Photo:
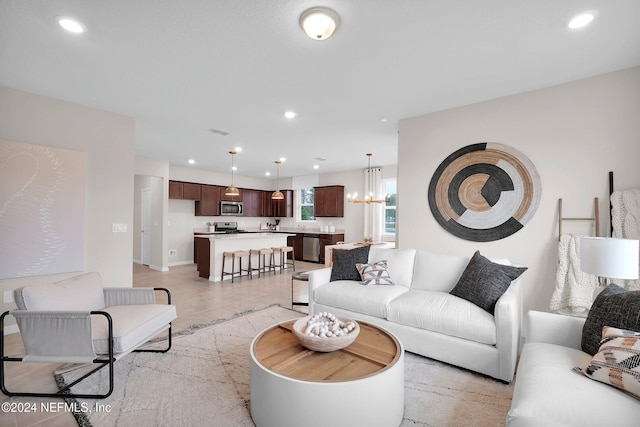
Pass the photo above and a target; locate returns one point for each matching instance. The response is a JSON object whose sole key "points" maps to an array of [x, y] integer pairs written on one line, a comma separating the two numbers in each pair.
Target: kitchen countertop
{"points": [[288, 230]]}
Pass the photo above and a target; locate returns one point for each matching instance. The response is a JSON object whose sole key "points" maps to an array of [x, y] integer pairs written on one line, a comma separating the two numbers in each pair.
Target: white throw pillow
{"points": [[399, 263]]}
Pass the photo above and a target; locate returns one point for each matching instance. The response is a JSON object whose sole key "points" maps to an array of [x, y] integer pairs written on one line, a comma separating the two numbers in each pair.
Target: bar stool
{"points": [[263, 267], [233, 255], [284, 260]]}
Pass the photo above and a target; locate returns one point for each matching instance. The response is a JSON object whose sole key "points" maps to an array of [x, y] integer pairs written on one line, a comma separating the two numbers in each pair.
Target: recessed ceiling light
{"points": [[290, 114], [267, 173], [316, 167], [71, 25], [234, 168], [582, 19], [282, 159], [238, 149], [191, 161], [384, 119]]}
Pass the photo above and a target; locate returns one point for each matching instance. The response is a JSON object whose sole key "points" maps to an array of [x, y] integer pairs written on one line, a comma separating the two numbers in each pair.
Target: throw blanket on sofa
{"points": [[625, 219], [574, 292]]}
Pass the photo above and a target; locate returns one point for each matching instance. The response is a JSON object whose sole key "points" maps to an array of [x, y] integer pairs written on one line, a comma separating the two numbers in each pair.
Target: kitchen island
{"points": [[211, 247]]}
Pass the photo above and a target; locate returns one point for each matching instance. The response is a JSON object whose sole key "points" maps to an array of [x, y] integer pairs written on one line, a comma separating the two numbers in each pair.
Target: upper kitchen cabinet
{"points": [[209, 203], [328, 201], [267, 204], [252, 202], [283, 208], [184, 190]]}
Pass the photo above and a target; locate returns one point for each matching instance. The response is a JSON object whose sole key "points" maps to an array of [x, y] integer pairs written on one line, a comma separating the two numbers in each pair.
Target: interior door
{"points": [[146, 226]]}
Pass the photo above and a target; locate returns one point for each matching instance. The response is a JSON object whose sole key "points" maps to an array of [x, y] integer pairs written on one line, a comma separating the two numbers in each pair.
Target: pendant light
{"points": [[277, 195], [369, 197], [232, 190]]}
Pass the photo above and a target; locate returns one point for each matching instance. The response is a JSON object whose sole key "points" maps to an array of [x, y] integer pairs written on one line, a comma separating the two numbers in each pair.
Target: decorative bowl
{"points": [[325, 344]]}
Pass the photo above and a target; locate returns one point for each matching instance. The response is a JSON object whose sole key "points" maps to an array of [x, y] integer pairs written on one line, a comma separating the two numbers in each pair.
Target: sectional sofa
{"points": [[421, 311]]}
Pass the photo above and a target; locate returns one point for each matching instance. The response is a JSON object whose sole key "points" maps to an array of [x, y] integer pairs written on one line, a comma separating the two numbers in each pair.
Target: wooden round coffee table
{"points": [[362, 384]]}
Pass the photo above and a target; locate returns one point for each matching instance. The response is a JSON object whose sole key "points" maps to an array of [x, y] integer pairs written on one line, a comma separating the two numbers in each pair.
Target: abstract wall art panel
{"points": [[484, 192], [42, 197]]}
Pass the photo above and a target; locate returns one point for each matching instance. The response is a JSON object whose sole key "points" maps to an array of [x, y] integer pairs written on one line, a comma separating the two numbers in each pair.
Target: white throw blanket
{"points": [[625, 218], [575, 290]]}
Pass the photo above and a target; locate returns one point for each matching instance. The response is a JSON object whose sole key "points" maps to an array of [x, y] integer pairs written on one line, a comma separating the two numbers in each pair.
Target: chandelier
{"points": [[369, 198]]}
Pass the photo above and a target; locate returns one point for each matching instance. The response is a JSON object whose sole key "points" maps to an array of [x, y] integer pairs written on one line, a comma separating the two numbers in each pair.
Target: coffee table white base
{"points": [[279, 401]]}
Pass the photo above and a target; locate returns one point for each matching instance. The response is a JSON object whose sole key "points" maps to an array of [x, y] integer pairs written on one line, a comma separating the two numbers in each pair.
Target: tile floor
{"points": [[197, 301]]}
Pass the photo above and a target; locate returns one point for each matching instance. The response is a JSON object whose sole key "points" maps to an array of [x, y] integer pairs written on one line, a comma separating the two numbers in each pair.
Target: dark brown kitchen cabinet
{"points": [[267, 203], [184, 190], [296, 243], [284, 208], [209, 203], [328, 240], [251, 202], [328, 201]]}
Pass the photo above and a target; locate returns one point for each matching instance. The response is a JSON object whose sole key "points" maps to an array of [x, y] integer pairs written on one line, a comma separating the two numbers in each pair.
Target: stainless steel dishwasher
{"points": [[311, 248]]}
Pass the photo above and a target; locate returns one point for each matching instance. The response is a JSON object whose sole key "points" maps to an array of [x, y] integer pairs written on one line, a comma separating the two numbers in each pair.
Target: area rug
{"points": [[204, 380]]}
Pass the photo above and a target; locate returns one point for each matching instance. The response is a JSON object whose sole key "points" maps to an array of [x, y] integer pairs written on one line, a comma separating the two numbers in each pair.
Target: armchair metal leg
{"points": [[142, 350]]}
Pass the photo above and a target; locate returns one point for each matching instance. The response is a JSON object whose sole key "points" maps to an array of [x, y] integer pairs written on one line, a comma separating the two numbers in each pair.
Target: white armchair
{"points": [[79, 321]]}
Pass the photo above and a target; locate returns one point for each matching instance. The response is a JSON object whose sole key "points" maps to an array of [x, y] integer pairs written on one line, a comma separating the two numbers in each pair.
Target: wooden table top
{"points": [[278, 350]]}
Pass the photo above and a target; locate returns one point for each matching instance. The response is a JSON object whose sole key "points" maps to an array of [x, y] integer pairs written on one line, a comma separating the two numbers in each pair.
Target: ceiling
{"points": [[182, 69]]}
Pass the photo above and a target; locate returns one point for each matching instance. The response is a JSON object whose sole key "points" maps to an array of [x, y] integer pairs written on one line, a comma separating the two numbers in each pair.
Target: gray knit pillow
{"points": [[615, 307], [344, 263], [483, 282]]}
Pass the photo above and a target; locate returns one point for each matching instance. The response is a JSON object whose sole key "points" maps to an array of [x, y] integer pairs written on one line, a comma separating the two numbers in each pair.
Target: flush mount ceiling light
{"points": [[71, 25], [319, 22], [232, 190], [582, 19]]}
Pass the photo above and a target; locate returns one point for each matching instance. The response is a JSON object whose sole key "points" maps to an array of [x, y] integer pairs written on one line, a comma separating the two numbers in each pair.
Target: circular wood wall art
{"points": [[484, 192]]}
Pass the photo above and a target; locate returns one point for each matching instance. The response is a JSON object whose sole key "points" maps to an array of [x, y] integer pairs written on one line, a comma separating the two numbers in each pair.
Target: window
{"points": [[390, 207], [306, 204]]}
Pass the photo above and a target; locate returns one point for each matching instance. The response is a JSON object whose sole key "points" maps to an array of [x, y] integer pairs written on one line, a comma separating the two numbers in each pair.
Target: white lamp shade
{"points": [[609, 257]]}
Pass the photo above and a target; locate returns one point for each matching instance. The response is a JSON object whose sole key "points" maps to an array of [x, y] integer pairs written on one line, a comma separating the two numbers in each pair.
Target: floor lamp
{"points": [[609, 257]]}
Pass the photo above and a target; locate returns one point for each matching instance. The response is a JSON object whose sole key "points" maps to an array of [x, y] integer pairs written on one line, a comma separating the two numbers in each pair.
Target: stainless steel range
{"points": [[228, 227]]}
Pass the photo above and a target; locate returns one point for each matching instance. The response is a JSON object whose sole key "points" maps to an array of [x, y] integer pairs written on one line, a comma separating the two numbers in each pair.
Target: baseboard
{"points": [[137, 261], [11, 329], [173, 264], [155, 267]]}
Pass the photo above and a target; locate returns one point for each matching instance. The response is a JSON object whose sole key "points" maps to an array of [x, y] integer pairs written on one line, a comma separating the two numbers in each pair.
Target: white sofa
{"points": [[548, 393], [419, 310]]}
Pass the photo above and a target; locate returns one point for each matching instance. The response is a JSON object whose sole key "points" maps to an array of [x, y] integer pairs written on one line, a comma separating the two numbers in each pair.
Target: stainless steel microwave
{"points": [[231, 208]]}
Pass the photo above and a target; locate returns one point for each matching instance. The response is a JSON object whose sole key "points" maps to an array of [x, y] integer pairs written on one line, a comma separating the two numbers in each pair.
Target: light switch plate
{"points": [[119, 228]]}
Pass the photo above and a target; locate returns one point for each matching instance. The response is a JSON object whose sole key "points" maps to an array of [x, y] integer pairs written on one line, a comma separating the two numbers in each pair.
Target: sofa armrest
{"points": [[131, 296], [317, 278], [508, 318], [554, 328]]}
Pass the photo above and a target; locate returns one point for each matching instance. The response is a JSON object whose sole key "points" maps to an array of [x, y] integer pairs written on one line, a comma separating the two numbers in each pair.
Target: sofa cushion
{"points": [[444, 313], [615, 307], [437, 272], [344, 263], [548, 393], [399, 263], [79, 293], [351, 295], [617, 363], [374, 274], [483, 282], [132, 325]]}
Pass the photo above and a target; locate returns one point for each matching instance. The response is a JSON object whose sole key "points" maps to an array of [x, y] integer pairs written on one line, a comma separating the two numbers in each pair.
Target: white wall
{"points": [[108, 141], [573, 133]]}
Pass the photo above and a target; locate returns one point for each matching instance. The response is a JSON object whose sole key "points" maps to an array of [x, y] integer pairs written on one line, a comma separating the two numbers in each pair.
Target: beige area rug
{"points": [[204, 381]]}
